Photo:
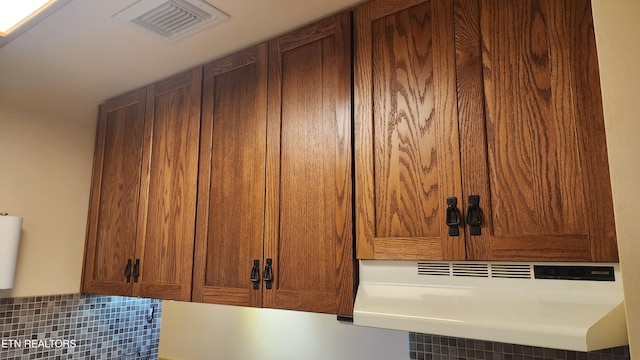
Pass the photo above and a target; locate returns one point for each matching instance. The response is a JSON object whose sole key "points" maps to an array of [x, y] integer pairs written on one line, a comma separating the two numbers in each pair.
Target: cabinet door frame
{"points": [[247, 295], [369, 246], [575, 95], [340, 301], [89, 284], [179, 249]]}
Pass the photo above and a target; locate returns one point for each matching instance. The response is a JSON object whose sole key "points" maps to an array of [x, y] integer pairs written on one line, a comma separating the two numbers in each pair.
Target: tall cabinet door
{"points": [[113, 209], [542, 175], [308, 240], [230, 223], [169, 187], [406, 131]]}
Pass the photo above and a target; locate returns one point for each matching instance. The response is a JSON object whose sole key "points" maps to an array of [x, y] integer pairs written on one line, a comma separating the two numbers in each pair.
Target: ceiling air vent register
{"points": [[171, 19]]}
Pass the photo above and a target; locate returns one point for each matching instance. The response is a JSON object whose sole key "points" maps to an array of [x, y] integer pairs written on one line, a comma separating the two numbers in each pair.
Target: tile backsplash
{"points": [[432, 347], [79, 326]]}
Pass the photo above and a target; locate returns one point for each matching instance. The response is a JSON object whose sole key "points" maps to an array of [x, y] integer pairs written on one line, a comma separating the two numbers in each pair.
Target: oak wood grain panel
{"points": [[230, 219], [381, 8], [227, 295], [113, 209], [363, 134], [543, 166], [532, 149], [162, 291], [315, 32], [583, 65], [168, 197], [308, 220], [406, 155], [408, 248], [407, 152], [237, 188], [541, 248], [346, 264], [446, 117], [475, 174], [318, 302]]}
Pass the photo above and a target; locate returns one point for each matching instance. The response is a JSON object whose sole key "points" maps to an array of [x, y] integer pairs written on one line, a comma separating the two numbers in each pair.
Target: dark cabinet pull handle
{"points": [[136, 270], [267, 276], [453, 216], [474, 216], [127, 271], [255, 274]]}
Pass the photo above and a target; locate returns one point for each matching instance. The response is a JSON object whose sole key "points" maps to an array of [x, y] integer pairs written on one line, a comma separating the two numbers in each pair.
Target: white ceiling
{"points": [[83, 54]]}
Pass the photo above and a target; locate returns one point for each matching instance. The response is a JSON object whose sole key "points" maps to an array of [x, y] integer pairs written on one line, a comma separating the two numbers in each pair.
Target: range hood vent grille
{"points": [[512, 271], [476, 269], [471, 269], [434, 268], [171, 19]]}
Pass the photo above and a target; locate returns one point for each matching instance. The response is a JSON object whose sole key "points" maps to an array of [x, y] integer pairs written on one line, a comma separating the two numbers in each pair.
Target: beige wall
{"points": [[193, 331], [46, 150], [618, 38]]}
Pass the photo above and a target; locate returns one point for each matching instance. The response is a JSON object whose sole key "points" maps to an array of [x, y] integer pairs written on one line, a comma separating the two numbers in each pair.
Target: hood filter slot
{"points": [[434, 268], [470, 269], [511, 271], [475, 269]]}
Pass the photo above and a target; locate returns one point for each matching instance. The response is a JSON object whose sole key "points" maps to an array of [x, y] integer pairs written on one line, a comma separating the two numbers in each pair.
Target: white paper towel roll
{"points": [[10, 227]]}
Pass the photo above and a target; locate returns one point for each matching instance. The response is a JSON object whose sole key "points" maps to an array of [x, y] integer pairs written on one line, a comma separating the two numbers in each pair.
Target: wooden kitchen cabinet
{"points": [[520, 127], [406, 146], [543, 170], [275, 185], [230, 219], [309, 183], [115, 191], [140, 233]]}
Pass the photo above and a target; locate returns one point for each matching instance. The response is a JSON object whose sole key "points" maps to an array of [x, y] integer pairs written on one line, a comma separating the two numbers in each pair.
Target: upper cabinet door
{"points": [[542, 172], [169, 187], [230, 224], [406, 130], [113, 211], [308, 237]]}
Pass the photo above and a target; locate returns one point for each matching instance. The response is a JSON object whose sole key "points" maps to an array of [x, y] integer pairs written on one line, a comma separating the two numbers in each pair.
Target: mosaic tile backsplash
{"points": [[79, 326], [431, 347]]}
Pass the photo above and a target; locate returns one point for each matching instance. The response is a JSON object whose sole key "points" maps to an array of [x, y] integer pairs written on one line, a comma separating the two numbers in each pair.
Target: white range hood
{"points": [[501, 302]]}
